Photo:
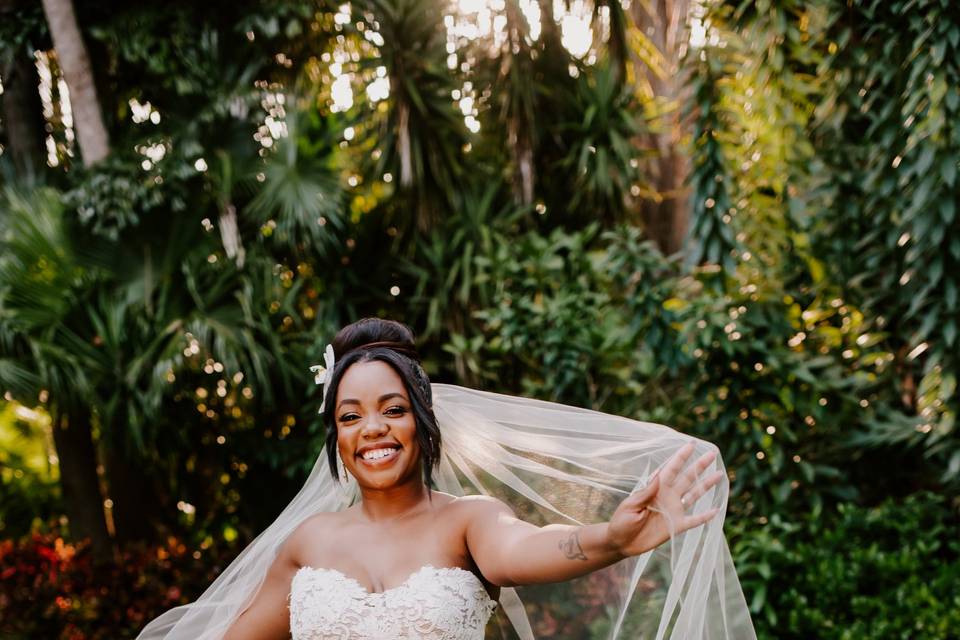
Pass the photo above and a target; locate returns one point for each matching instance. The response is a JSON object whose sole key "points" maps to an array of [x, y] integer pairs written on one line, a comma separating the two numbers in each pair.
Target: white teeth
{"points": [[376, 454]]}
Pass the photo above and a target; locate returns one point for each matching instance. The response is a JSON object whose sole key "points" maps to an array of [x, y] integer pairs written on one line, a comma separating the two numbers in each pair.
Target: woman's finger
{"points": [[640, 499], [676, 463], [695, 521], [696, 492], [690, 475]]}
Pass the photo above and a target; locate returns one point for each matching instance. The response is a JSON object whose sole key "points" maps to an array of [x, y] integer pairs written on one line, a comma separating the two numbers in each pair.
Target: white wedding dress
{"points": [[431, 604]]}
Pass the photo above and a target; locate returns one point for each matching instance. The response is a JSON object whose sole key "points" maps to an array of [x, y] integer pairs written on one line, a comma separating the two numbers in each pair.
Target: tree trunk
{"points": [[666, 220], [518, 109], [75, 62], [664, 22], [134, 502], [22, 116], [78, 480]]}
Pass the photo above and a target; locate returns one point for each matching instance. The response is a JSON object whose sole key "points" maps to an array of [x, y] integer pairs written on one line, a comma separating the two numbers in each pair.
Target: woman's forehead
{"points": [[370, 378]]}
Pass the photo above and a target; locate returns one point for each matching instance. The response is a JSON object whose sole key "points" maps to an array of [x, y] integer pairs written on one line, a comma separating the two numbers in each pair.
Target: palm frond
{"points": [[301, 187]]}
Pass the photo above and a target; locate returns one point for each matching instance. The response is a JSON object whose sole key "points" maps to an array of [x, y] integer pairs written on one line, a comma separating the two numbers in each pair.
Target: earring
{"points": [[341, 469], [347, 486]]}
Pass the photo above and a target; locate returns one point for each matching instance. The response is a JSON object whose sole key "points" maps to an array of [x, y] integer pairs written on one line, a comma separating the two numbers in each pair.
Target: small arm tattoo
{"points": [[571, 547]]}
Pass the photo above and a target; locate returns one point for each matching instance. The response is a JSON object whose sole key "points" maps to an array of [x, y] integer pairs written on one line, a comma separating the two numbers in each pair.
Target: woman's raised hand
{"points": [[647, 518]]}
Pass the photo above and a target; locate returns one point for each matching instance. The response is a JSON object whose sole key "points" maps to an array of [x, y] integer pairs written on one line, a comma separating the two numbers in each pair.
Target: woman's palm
{"points": [[649, 517]]}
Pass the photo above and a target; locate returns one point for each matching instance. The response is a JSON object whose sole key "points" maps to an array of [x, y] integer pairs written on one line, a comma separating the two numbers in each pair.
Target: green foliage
{"points": [[884, 572], [850, 196], [712, 208], [548, 313], [450, 267], [603, 320], [419, 136], [42, 284], [172, 289], [301, 189], [573, 316], [28, 489], [23, 26], [891, 146], [765, 379], [601, 153], [116, 193]]}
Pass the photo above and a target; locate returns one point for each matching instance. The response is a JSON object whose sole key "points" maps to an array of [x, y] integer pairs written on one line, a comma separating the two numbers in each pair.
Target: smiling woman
{"points": [[441, 505], [376, 435], [377, 363]]}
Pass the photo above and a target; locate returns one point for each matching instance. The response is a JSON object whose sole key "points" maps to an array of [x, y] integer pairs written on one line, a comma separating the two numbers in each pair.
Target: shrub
{"points": [[890, 571], [51, 589]]}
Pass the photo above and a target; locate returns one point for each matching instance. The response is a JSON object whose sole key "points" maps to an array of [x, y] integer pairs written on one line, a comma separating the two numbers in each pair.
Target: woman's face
{"points": [[376, 429]]}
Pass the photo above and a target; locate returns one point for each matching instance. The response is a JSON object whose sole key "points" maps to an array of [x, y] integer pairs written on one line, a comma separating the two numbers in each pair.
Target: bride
{"points": [[439, 502]]}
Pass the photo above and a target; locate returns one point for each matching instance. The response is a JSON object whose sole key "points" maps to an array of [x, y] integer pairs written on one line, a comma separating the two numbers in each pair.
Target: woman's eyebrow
{"points": [[385, 396]]}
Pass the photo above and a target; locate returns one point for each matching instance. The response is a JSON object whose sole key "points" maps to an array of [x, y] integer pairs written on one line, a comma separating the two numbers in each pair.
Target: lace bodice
{"points": [[431, 604]]}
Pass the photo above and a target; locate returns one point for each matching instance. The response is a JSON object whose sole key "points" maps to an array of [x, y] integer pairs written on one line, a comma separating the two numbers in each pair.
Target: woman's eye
{"points": [[396, 411], [347, 417]]}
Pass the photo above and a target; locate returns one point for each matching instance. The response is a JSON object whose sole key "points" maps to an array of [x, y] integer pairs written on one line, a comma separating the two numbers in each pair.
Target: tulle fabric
{"points": [[552, 464]]}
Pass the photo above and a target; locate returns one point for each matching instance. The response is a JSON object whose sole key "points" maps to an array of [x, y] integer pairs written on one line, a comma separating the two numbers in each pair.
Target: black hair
{"points": [[390, 342]]}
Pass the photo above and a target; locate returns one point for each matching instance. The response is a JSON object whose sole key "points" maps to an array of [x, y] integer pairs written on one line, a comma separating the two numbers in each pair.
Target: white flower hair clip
{"points": [[323, 373]]}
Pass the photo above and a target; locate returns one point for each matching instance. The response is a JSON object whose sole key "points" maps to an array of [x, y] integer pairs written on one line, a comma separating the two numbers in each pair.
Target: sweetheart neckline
{"points": [[368, 593]]}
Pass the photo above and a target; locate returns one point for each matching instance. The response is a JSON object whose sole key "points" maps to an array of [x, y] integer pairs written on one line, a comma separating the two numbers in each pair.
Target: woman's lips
{"points": [[384, 461]]}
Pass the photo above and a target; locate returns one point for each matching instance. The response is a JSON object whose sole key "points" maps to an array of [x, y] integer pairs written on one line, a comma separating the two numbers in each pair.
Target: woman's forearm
{"points": [[558, 552]]}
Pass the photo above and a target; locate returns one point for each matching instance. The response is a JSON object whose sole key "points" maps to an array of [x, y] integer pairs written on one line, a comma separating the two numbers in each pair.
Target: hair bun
{"points": [[375, 332]]}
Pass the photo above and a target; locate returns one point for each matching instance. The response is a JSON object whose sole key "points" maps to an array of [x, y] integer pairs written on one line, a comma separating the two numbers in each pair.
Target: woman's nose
{"points": [[374, 427]]}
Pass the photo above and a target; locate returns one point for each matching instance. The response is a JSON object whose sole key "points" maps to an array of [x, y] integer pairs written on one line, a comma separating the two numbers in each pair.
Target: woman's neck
{"points": [[379, 505]]}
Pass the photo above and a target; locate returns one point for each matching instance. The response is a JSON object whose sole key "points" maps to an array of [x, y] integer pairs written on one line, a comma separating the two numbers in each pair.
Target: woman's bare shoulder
{"points": [[321, 521], [316, 527]]}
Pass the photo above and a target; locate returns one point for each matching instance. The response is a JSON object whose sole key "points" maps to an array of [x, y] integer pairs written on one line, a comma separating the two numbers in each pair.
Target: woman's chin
{"points": [[384, 473]]}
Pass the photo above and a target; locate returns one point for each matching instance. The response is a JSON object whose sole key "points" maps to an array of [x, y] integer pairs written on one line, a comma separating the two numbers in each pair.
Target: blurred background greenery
{"points": [[735, 218]]}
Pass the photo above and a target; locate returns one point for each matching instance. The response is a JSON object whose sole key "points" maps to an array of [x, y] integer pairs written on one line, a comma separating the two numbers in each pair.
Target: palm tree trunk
{"points": [[134, 502], [22, 115], [665, 23], [73, 59], [519, 109], [83, 501]]}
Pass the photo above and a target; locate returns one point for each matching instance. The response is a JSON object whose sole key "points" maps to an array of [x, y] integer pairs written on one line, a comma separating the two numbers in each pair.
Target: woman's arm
{"points": [[509, 551], [267, 617]]}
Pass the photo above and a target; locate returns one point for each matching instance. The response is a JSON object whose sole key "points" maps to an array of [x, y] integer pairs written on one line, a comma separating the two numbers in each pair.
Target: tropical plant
{"points": [[508, 177], [852, 195], [42, 291]]}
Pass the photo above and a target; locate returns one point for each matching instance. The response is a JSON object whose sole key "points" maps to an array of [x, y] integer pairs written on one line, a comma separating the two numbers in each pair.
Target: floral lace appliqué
{"points": [[432, 604]]}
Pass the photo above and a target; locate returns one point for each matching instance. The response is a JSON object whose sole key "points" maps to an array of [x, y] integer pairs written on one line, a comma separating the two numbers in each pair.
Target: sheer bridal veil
{"points": [[552, 464]]}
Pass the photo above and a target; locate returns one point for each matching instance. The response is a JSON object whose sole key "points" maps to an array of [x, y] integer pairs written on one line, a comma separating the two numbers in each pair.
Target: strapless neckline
{"points": [[413, 576], [432, 603]]}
